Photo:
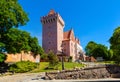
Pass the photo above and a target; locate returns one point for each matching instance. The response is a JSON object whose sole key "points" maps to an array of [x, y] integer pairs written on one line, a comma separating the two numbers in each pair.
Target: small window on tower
{"points": [[53, 19], [43, 22]]}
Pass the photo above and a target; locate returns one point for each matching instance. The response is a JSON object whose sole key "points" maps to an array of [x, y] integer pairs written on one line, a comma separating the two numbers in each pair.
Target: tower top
{"points": [[51, 12], [52, 16]]}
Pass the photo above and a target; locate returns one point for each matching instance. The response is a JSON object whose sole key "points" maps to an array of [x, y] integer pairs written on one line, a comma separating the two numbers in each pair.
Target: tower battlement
{"points": [[52, 17]]}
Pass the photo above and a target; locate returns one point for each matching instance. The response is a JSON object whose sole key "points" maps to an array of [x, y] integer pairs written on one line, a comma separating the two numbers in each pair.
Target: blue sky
{"points": [[92, 20]]}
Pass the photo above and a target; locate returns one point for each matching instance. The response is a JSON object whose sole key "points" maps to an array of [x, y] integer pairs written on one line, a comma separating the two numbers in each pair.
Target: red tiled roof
{"points": [[66, 35], [69, 35]]}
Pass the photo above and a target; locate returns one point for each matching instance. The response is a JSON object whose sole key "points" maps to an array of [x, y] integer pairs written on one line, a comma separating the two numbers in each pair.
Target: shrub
{"points": [[53, 59], [23, 66], [44, 57]]}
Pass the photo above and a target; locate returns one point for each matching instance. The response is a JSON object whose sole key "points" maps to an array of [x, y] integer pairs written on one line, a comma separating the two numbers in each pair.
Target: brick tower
{"points": [[52, 32]]}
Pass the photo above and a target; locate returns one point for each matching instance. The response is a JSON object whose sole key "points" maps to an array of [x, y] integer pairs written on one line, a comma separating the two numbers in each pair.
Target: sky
{"points": [[91, 20]]}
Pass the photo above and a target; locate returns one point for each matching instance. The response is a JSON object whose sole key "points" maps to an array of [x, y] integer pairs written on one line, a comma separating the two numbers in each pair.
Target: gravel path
{"points": [[28, 77]]}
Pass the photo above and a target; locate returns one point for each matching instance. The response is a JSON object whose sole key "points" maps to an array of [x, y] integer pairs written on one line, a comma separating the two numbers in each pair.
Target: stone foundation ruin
{"points": [[107, 71]]}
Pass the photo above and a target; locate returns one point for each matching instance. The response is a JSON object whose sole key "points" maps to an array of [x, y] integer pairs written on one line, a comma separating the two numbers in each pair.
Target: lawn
{"points": [[68, 65]]}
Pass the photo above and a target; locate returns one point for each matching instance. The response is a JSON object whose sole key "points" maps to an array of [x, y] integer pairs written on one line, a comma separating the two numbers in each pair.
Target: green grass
{"points": [[68, 65]]}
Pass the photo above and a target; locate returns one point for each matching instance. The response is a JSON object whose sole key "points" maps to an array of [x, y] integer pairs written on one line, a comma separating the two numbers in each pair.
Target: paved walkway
{"points": [[36, 77], [26, 77]]}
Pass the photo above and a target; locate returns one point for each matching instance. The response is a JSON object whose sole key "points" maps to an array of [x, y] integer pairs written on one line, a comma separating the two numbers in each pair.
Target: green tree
{"points": [[115, 44], [110, 54], [90, 47], [98, 50], [17, 40], [44, 57], [2, 47], [2, 55], [11, 15], [35, 48], [53, 59]]}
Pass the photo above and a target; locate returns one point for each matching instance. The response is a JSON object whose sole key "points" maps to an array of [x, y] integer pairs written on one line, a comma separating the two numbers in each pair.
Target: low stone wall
{"points": [[86, 73]]}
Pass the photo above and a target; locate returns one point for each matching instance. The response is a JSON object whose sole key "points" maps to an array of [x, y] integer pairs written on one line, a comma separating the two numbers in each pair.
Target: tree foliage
{"points": [[35, 48], [44, 57], [17, 40], [2, 55], [90, 47], [98, 50], [53, 59], [2, 47], [11, 15], [115, 44]]}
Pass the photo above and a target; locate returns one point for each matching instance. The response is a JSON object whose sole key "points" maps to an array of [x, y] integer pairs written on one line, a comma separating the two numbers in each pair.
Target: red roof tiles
{"points": [[69, 35]]}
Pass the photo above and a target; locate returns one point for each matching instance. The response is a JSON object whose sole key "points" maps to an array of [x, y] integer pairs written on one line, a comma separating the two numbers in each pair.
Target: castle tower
{"points": [[52, 32]]}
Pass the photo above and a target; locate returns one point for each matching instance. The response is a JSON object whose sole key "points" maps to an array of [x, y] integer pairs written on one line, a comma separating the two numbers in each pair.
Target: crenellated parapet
{"points": [[52, 17]]}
